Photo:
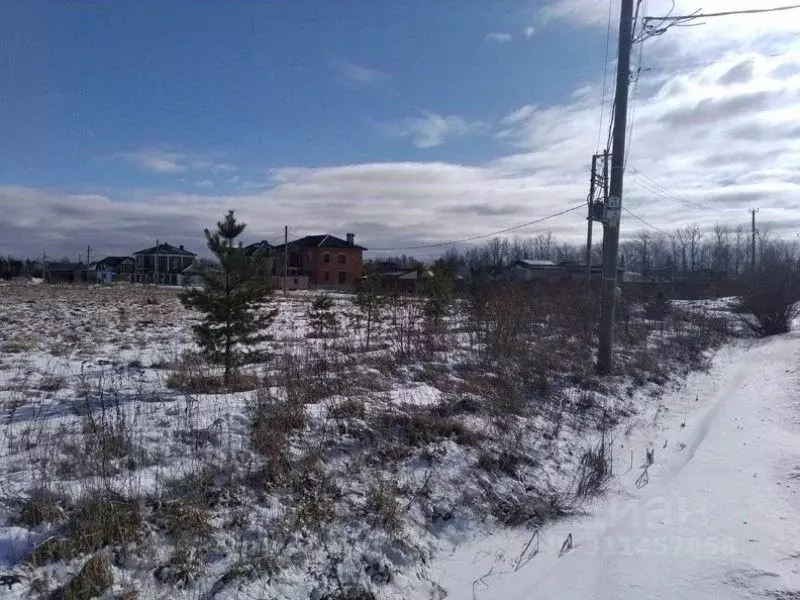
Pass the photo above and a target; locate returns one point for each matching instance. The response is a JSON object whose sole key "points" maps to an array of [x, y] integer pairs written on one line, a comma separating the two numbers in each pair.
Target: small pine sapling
{"points": [[322, 319], [233, 299], [370, 300]]}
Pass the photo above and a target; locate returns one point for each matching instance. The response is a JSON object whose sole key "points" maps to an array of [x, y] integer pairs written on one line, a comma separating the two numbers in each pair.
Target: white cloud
{"points": [[580, 12], [165, 162], [431, 129], [528, 32], [499, 37], [714, 121], [358, 74]]}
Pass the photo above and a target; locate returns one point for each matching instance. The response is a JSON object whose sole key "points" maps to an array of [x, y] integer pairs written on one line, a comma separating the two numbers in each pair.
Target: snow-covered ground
{"points": [[716, 514], [394, 456]]}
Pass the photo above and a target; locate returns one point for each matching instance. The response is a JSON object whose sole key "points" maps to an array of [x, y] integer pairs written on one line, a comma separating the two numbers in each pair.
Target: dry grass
{"points": [[326, 450], [94, 578]]}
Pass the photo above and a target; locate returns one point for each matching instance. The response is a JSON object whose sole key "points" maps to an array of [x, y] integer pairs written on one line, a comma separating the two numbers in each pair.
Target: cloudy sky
{"points": [[405, 123]]}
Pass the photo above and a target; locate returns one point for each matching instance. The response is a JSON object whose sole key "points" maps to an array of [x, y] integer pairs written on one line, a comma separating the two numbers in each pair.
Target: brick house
{"points": [[163, 264], [327, 261]]}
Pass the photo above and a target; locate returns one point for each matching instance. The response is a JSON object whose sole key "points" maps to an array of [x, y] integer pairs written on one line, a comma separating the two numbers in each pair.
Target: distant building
{"points": [[111, 268], [64, 272], [163, 264], [326, 260], [527, 270], [263, 252], [404, 281]]}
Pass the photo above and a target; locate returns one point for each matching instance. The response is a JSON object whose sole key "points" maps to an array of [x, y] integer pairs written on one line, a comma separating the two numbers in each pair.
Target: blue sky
{"points": [[260, 85], [406, 123]]}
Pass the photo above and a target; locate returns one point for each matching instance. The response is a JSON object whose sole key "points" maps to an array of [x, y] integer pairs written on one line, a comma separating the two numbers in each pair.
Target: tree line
{"points": [[722, 252]]}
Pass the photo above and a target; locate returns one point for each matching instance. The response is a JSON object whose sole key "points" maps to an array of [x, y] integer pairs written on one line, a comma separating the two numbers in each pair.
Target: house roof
{"points": [[539, 265], [165, 249], [404, 274], [319, 241], [63, 266], [113, 261], [262, 246]]}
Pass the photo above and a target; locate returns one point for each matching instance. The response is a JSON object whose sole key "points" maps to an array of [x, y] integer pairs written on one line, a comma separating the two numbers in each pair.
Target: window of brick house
{"points": [[342, 259], [327, 276], [326, 257], [342, 277]]}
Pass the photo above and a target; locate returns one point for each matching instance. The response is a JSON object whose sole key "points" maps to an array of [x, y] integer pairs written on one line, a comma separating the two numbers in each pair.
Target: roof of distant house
{"points": [[263, 246], [63, 266], [113, 261], [165, 249], [320, 241], [537, 264]]}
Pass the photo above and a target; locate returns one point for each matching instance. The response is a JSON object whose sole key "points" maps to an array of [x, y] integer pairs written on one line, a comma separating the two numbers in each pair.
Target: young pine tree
{"points": [[370, 300], [232, 299]]}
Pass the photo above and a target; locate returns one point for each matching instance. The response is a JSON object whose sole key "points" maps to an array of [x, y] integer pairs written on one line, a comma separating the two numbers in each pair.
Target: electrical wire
{"points": [[483, 235], [605, 79], [635, 86], [749, 11], [655, 26], [681, 67], [653, 186], [650, 225]]}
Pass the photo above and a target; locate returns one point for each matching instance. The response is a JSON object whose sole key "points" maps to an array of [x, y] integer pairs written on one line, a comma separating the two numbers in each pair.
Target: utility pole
{"points": [[155, 267], [598, 194], [753, 240], [613, 205], [589, 219], [285, 257], [88, 262]]}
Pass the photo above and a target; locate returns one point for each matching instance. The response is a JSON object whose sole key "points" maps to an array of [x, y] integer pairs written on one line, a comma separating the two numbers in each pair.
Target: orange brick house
{"points": [[327, 261]]}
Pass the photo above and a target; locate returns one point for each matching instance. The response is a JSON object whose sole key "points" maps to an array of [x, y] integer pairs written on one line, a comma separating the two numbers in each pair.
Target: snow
{"points": [[716, 518], [122, 340]]}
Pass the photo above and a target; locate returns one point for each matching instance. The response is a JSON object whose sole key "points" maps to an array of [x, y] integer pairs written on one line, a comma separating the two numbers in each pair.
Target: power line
{"points": [[719, 58], [650, 225], [660, 194], [655, 26], [605, 78], [653, 186], [750, 11], [635, 86], [483, 235]]}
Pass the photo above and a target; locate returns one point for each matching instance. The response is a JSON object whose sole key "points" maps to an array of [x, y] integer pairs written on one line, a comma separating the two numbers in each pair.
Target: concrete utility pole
{"points": [[285, 258], [613, 205], [753, 212]]}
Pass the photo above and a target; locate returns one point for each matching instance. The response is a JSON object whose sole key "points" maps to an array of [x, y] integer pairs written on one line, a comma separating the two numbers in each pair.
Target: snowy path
{"points": [[719, 517]]}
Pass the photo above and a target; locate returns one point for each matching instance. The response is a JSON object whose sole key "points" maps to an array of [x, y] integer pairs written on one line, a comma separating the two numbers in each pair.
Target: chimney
{"points": [[181, 246], [351, 238]]}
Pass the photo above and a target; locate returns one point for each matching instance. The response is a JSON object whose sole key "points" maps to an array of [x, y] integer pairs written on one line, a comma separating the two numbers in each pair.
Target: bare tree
{"points": [[722, 250]]}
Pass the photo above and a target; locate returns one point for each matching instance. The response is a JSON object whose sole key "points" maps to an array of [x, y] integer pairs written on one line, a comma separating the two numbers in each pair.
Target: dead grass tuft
{"points": [[423, 427], [528, 509], [382, 507], [52, 383], [274, 421], [94, 578], [41, 507], [107, 520], [349, 408]]}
